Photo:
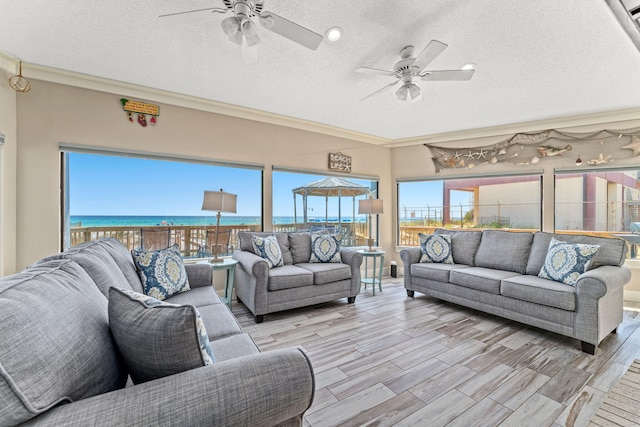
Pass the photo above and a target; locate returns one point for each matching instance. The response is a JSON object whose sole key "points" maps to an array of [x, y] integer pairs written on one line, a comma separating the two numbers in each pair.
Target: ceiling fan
{"points": [[242, 30], [409, 67]]}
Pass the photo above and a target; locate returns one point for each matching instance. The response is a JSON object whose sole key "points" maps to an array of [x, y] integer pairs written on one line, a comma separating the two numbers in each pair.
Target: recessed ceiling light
{"points": [[333, 34], [469, 66]]}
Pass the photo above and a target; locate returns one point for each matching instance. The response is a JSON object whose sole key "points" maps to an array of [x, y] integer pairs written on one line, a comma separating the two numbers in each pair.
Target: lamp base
{"points": [[216, 249], [370, 243]]}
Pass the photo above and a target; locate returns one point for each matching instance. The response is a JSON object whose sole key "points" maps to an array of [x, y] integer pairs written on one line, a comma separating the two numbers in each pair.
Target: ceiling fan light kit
{"points": [[410, 67], [241, 28]]}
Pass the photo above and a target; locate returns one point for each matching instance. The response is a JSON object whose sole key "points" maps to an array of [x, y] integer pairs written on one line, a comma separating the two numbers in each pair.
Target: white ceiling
{"points": [[535, 60]]}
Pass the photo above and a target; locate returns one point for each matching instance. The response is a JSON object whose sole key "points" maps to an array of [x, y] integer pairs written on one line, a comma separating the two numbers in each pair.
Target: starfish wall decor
{"points": [[600, 147]]}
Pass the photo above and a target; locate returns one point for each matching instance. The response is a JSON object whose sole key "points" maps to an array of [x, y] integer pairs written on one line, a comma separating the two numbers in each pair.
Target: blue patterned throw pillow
{"points": [[157, 338], [436, 248], [325, 248], [268, 249], [161, 272], [565, 262]]}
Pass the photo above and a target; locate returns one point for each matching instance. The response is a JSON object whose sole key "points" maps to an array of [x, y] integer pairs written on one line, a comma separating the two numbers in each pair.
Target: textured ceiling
{"points": [[535, 60]]}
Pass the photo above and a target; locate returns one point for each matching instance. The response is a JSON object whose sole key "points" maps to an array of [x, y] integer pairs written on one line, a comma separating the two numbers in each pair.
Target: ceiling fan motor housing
{"points": [[247, 8]]}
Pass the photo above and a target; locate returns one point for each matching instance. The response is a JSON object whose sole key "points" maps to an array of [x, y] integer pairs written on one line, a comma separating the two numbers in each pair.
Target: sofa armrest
{"points": [[354, 260], [251, 263], [599, 305], [259, 390], [252, 278], [199, 275], [409, 256]]}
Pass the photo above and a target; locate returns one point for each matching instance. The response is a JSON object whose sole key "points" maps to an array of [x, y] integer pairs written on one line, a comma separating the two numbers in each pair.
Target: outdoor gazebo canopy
{"points": [[329, 187]]}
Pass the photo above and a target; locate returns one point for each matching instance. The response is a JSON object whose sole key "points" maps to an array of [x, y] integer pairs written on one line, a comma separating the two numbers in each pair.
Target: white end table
{"points": [[376, 279], [228, 264]]}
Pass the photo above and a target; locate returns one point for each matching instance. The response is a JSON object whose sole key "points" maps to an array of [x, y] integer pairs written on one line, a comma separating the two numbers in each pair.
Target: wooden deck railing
{"points": [[192, 238]]}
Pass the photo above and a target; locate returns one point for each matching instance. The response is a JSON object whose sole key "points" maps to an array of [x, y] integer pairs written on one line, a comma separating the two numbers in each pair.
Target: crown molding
{"points": [[85, 81], [601, 118]]}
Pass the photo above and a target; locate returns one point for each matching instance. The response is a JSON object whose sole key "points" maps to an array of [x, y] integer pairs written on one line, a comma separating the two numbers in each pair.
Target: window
{"points": [[309, 202], [127, 197], [506, 202], [602, 202]]}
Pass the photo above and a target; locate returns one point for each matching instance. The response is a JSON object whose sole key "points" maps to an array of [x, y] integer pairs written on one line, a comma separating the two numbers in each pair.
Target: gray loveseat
{"points": [[298, 283], [59, 364], [497, 272]]}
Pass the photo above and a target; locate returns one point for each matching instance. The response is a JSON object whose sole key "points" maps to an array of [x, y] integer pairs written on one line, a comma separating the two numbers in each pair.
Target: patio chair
{"points": [[224, 239], [153, 239]]}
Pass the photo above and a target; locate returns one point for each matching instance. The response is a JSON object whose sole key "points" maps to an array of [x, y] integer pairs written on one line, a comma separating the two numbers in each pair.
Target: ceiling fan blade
{"points": [[290, 30], [453, 75], [192, 16], [380, 90], [367, 70], [429, 53]]}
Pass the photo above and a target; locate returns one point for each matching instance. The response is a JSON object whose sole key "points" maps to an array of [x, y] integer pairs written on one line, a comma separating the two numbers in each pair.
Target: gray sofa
{"points": [[59, 364], [298, 283], [497, 272]]}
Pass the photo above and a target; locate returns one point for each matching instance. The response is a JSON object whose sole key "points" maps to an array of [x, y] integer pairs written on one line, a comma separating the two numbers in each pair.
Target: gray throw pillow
{"points": [[156, 338]]}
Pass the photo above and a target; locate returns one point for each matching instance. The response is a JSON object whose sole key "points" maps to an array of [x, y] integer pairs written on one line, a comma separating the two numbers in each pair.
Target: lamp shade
{"points": [[370, 206], [219, 201]]}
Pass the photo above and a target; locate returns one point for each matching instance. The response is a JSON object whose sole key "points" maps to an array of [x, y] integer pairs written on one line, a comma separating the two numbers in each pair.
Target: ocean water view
{"points": [[149, 221]]}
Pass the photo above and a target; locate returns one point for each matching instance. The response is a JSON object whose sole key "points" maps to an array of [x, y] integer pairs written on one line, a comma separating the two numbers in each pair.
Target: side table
{"points": [[376, 279], [228, 264]]}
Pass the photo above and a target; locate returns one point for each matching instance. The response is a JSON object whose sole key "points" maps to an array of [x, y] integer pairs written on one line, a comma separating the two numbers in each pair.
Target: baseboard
{"points": [[631, 296]]}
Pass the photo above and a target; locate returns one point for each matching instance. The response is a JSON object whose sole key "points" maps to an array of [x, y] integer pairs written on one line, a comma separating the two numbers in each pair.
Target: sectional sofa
{"points": [[498, 272], [60, 363]]}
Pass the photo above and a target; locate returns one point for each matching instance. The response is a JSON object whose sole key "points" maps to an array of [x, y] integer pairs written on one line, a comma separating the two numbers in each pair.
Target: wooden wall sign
{"points": [[339, 162], [142, 109]]}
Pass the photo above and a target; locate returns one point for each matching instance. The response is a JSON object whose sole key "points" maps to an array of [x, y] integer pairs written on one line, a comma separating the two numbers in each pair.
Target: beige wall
{"points": [[8, 154], [54, 113]]}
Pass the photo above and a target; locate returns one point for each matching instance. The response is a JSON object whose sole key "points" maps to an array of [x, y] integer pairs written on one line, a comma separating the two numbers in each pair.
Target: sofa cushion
{"points": [[432, 271], [435, 248], [565, 262], [325, 248], [106, 261], [327, 272], [161, 272], [300, 246], [612, 251], [234, 346], [245, 242], [156, 338], [196, 296], [504, 250], [218, 321], [289, 276], [56, 344], [480, 278], [464, 245], [267, 248], [540, 291]]}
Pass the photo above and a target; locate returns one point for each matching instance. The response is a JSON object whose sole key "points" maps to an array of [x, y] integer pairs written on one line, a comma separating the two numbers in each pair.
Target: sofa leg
{"points": [[351, 300], [259, 318], [588, 348], [615, 331], [410, 293]]}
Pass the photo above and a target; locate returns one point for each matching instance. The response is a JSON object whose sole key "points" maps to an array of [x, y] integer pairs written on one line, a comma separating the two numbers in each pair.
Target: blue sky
{"points": [[113, 185]]}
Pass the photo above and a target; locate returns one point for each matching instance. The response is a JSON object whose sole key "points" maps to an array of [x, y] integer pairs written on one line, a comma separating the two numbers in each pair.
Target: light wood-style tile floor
{"points": [[394, 360]]}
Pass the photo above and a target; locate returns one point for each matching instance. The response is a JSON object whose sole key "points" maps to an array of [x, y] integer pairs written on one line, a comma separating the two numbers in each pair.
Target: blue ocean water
{"points": [[142, 221]]}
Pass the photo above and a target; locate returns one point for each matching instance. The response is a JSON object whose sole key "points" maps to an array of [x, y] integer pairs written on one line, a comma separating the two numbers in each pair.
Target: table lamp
{"points": [[218, 201], [370, 207]]}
